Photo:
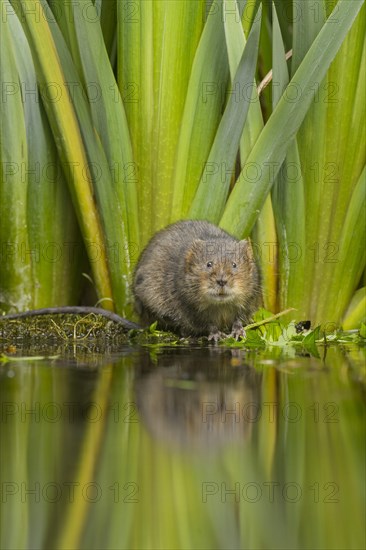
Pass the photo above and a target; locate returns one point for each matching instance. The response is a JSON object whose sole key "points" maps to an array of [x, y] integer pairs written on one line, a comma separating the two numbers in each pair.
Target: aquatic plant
{"points": [[120, 117]]}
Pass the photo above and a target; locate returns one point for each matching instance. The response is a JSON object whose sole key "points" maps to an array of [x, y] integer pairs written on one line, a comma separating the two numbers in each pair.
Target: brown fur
{"points": [[175, 285]]}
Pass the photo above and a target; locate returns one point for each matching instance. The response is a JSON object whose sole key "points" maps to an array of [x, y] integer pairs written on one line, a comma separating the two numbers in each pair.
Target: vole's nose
{"points": [[221, 282]]}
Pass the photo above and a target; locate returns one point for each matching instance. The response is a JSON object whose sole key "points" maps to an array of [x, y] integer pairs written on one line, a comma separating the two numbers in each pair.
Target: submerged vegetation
{"points": [[119, 117]]}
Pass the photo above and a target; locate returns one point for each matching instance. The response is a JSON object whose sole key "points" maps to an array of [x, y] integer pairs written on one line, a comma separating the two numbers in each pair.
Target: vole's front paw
{"points": [[237, 330], [215, 334]]}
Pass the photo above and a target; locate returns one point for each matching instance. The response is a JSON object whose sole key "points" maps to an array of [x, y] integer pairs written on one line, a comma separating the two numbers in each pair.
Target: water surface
{"points": [[147, 448]]}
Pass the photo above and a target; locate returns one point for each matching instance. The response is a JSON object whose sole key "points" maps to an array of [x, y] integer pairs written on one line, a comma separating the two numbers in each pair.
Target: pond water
{"points": [[206, 447]]}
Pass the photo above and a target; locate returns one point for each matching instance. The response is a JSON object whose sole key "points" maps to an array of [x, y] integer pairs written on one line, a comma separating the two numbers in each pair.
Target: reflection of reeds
{"points": [[161, 140], [14, 515], [76, 513], [41, 455], [284, 486]]}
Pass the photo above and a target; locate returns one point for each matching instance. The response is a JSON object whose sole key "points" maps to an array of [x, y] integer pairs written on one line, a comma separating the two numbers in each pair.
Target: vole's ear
{"points": [[246, 251], [194, 254]]}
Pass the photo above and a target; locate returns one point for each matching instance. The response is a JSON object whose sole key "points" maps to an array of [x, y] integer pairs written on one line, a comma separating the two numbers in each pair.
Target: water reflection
{"points": [[183, 448], [198, 399]]}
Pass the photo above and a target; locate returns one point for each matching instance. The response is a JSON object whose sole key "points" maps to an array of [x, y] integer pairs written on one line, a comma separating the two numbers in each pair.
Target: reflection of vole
{"points": [[194, 278], [194, 399]]}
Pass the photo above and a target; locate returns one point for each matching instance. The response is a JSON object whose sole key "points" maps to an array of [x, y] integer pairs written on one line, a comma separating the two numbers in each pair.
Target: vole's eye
{"points": [[209, 264], [234, 265]]}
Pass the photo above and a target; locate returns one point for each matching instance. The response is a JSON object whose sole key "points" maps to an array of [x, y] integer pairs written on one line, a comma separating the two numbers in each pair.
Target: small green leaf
{"points": [[309, 342], [152, 327], [261, 314], [254, 340]]}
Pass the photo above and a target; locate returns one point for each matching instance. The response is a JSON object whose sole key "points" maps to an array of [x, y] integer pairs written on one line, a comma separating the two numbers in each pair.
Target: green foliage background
{"points": [[119, 117]]}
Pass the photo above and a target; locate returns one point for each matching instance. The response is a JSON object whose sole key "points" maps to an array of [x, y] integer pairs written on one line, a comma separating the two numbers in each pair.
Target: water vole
{"points": [[196, 279]]}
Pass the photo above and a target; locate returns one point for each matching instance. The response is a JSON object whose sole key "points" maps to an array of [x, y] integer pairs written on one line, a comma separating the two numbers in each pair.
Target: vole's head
{"points": [[221, 271]]}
